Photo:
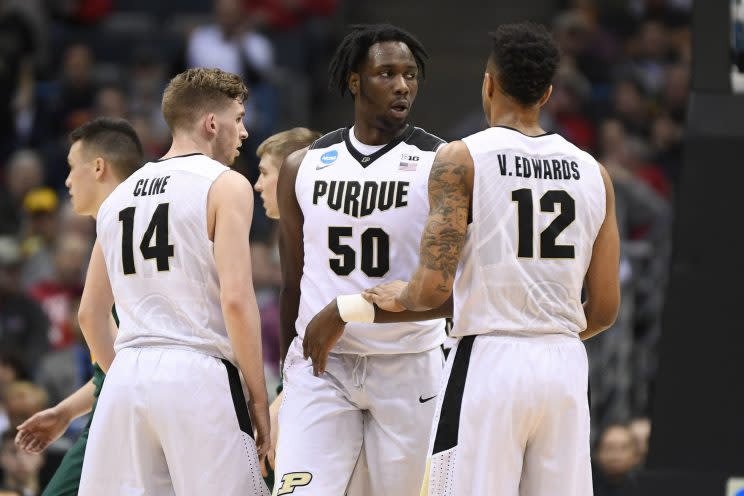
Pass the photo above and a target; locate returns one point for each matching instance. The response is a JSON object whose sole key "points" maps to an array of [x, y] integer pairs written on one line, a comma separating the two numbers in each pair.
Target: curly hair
{"points": [[194, 90], [527, 57], [352, 51]]}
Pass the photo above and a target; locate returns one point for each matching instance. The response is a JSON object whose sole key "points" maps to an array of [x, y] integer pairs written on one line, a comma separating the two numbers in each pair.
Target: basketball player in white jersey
{"points": [[173, 240], [520, 219], [352, 209]]}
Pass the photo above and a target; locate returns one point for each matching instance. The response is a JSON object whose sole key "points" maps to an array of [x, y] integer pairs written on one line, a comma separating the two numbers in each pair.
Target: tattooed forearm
{"points": [[444, 234]]}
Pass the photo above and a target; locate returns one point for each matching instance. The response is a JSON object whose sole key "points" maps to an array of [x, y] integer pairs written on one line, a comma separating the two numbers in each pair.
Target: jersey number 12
{"points": [[158, 227]]}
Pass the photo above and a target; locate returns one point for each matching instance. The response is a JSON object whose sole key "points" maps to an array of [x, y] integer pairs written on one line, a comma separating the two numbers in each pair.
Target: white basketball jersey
{"points": [[153, 232], [363, 219], [538, 203]]}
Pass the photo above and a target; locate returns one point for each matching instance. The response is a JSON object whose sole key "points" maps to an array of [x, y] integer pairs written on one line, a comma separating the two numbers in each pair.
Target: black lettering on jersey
{"points": [[319, 190], [502, 163], [518, 166], [537, 167], [566, 169], [547, 174], [387, 195], [556, 169], [575, 169], [527, 167], [336, 194], [351, 200], [369, 198], [361, 199], [145, 187], [401, 194]]}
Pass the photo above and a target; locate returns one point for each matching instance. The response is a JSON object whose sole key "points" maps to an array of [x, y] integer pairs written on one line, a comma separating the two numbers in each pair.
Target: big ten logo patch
{"points": [[293, 480]]}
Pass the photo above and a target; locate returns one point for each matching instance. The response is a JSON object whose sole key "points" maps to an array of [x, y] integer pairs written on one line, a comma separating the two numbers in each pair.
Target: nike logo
{"points": [[424, 400], [318, 167]]}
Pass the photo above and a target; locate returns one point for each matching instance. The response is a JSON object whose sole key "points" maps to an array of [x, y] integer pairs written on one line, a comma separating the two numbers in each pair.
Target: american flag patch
{"points": [[408, 163]]}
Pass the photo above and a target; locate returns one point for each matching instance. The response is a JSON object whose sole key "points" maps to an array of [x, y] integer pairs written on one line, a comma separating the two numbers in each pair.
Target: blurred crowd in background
{"points": [[620, 93]]}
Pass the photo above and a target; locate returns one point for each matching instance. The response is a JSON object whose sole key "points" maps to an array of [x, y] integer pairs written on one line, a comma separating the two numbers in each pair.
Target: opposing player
{"points": [[103, 153], [519, 220], [173, 241], [352, 210]]}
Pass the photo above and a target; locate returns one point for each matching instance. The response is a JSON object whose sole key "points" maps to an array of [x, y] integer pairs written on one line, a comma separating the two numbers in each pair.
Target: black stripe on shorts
{"points": [[449, 418], [238, 398]]}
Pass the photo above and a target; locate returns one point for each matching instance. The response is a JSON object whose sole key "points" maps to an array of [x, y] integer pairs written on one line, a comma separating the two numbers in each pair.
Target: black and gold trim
{"points": [[449, 418], [238, 398]]}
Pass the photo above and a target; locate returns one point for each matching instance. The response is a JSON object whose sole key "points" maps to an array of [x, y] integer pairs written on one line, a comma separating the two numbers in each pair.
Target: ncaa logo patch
{"points": [[329, 157]]}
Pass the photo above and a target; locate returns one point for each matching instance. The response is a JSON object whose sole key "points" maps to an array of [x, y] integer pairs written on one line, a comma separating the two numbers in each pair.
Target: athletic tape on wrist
{"points": [[354, 308]]}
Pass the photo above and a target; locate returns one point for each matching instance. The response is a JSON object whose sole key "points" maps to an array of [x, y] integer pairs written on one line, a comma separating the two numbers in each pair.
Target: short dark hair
{"points": [[527, 57], [354, 48], [115, 140]]}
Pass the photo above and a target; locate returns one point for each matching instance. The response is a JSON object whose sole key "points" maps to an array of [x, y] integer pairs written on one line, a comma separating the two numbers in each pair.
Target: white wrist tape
{"points": [[354, 308]]}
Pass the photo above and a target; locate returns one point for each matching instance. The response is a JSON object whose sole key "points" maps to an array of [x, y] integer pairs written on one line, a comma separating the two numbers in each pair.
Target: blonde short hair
{"points": [[284, 143], [197, 90]]}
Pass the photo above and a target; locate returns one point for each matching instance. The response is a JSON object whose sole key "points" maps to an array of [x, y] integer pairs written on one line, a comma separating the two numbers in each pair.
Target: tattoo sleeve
{"points": [[443, 236]]}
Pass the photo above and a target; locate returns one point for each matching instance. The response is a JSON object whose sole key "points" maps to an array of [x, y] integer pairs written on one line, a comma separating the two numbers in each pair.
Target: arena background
{"points": [[622, 92]]}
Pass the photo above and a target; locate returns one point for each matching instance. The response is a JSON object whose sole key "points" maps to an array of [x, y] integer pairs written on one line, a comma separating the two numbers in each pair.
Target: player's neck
{"points": [[103, 192], [369, 134], [185, 145], [526, 121]]}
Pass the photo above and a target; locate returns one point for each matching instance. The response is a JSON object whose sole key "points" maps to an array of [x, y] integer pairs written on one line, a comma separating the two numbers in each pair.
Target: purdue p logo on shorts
{"points": [[292, 480]]}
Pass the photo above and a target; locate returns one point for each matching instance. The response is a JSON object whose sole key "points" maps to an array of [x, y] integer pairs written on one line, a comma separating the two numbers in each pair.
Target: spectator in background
{"points": [[77, 91], [110, 102], [22, 399], [64, 371], [25, 171], [39, 236], [24, 328], [20, 469], [233, 45], [58, 294], [17, 51], [640, 427], [615, 459]]}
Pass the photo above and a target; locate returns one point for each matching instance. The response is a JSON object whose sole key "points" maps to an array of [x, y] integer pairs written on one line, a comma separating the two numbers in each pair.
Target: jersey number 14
{"points": [[161, 251]]}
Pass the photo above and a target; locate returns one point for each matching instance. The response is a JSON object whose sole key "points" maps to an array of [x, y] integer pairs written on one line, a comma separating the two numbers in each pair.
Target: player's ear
{"points": [[546, 96], [99, 167], [489, 85], [210, 124], [354, 83]]}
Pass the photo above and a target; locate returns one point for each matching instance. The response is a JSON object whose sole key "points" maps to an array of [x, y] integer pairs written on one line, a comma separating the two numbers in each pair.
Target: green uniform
{"points": [[66, 479]]}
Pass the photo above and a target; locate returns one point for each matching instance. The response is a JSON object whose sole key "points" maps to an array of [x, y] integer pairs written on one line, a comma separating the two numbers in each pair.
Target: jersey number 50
{"points": [[375, 249]]}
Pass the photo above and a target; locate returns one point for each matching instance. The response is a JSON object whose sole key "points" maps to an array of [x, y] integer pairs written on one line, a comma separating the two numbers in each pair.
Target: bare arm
{"points": [[43, 428], [94, 314], [291, 250], [450, 190], [602, 280], [230, 207]]}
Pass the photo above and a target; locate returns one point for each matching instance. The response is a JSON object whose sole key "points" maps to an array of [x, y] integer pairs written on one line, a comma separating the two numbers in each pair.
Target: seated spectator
{"points": [[24, 328], [22, 399], [640, 427], [615, 459], [20, 469], [58, 293], [24, 172], [39, 235]]}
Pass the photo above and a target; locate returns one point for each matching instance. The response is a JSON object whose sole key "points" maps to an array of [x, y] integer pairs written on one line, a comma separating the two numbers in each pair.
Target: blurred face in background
{"points": [[16, 463], [24, 173], [69, 259], [266, 184], [617, 452]]}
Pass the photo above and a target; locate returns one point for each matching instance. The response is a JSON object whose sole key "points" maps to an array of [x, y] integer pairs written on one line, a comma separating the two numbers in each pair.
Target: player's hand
{"points": [[41, 430], [262, 425], [270, 459], [386, 296], [321, 335]]}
